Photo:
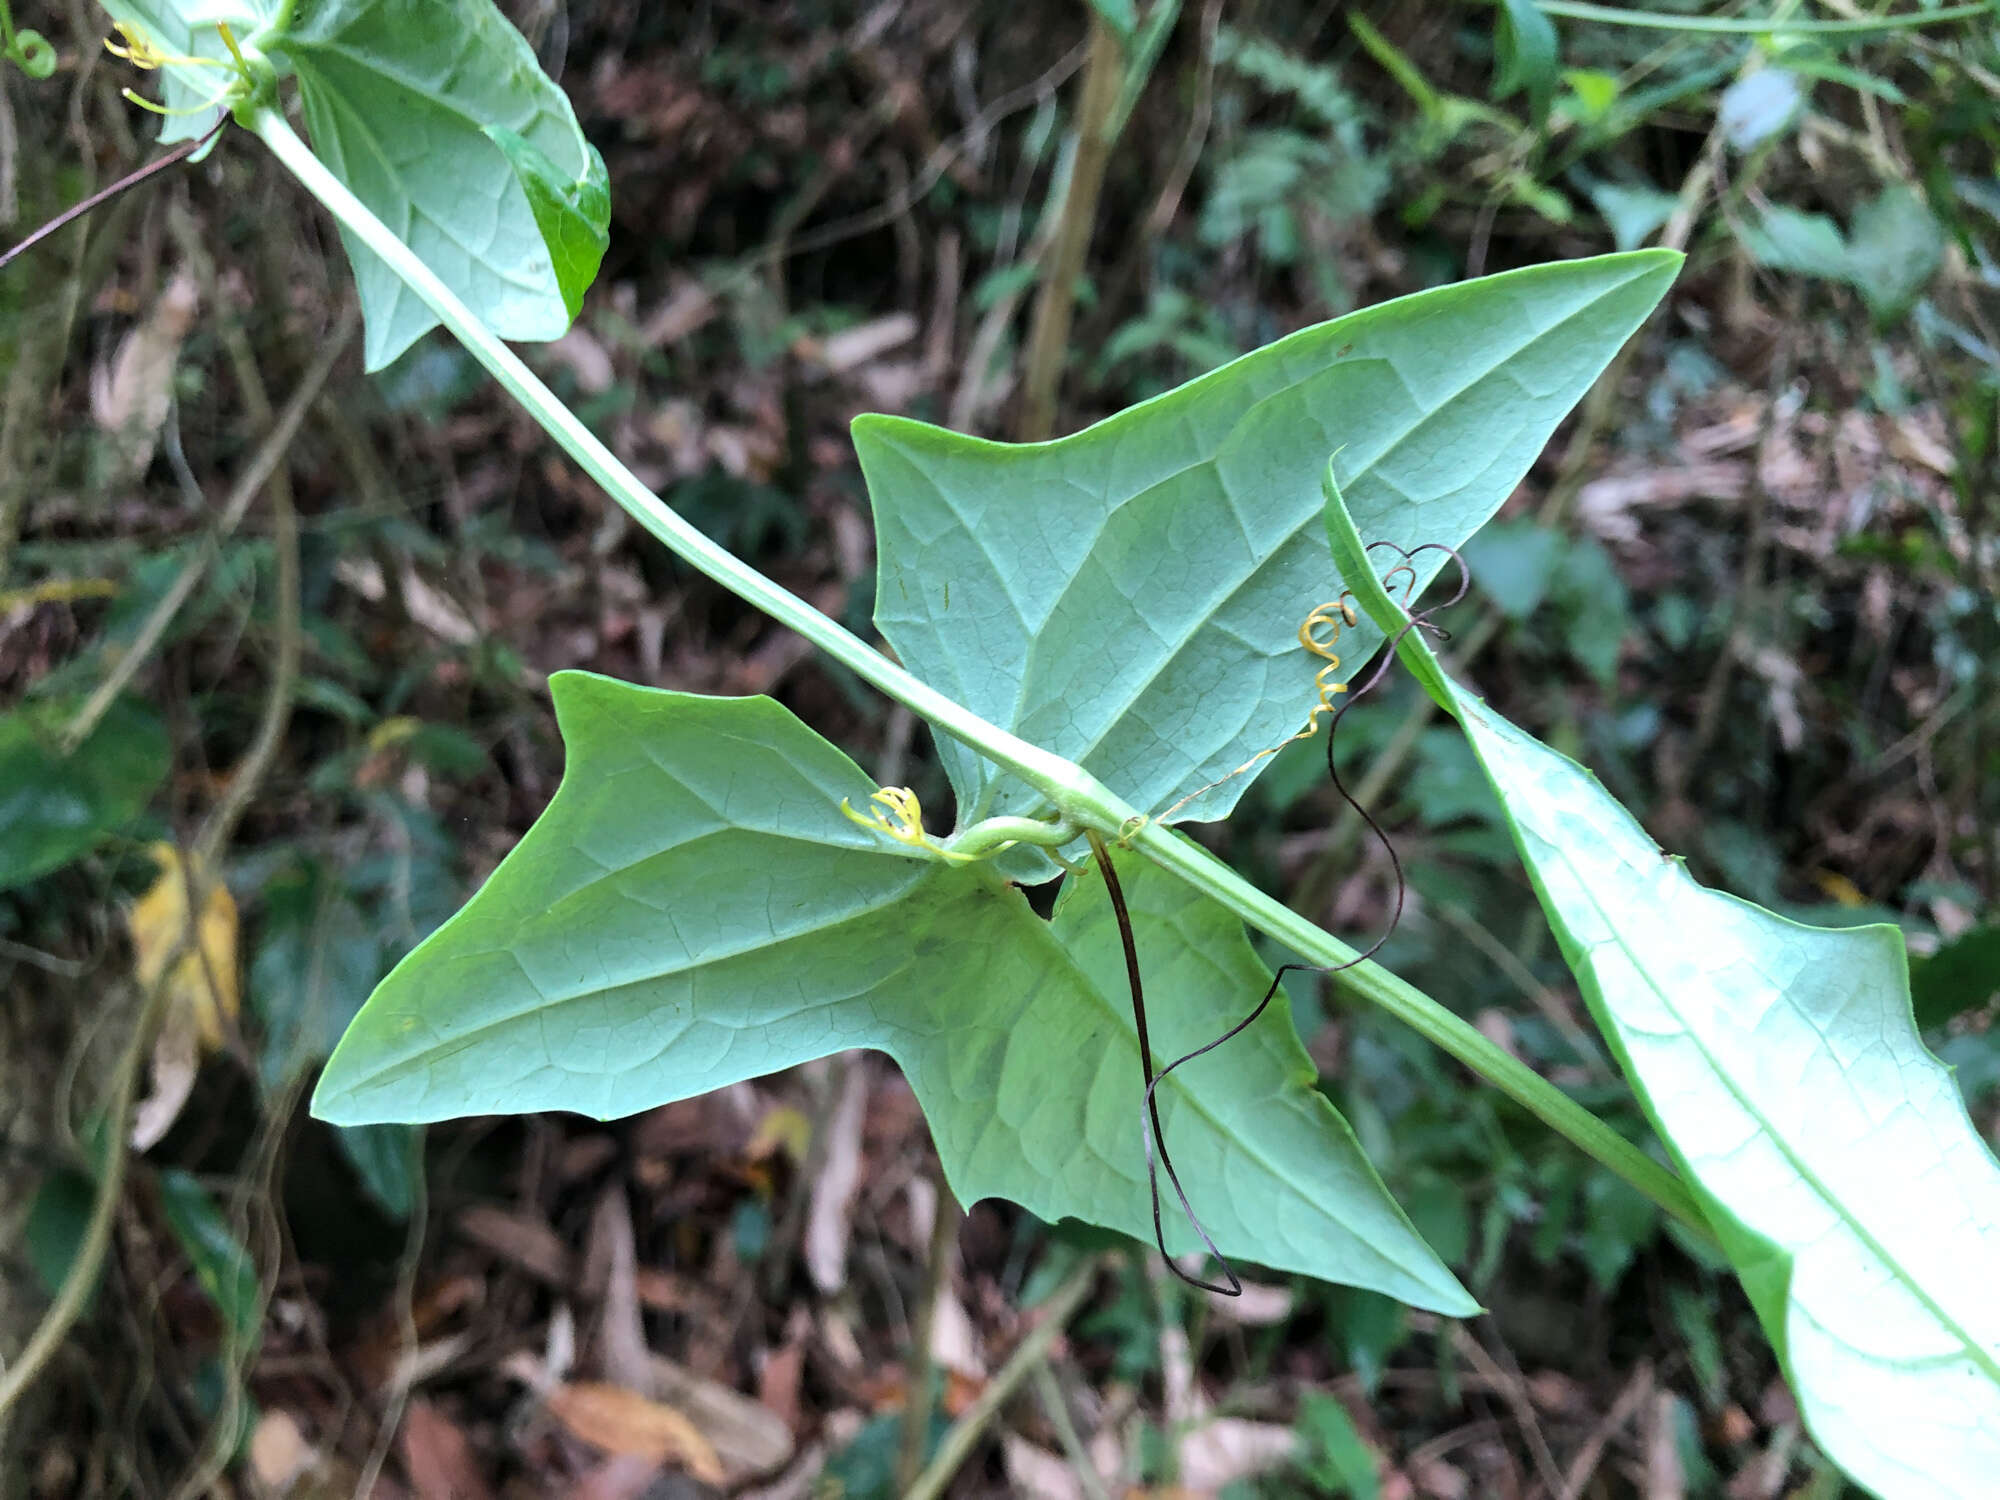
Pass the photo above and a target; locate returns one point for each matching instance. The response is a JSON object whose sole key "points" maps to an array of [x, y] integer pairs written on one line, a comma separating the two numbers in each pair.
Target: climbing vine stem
{"points": [[1074, 794]]}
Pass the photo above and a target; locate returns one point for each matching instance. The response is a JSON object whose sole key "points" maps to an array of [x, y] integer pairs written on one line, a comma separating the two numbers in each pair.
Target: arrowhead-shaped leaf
{"points": [[1130, 597], [1780, 1064], [398, 96], [693, 909]]}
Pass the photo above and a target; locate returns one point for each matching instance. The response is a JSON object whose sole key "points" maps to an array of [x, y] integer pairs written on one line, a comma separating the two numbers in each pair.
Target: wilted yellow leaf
{"points": [[782, 1129], [621, 1421], [203, 985]]}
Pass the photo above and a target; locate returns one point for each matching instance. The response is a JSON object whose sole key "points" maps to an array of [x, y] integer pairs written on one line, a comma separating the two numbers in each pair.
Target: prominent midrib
{"points": [[1232, 587], [1806, 1174], [708, 958]]}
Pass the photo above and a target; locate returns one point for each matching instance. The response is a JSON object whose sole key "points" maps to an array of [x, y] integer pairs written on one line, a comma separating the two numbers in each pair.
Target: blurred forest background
{"points": [[265, 617]]}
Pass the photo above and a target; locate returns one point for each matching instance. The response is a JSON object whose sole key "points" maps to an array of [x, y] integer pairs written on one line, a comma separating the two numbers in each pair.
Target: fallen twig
{"points": [[966, 1432]]}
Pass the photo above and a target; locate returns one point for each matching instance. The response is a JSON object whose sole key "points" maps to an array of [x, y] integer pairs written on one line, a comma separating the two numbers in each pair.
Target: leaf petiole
{"points": [[1072, 791]]}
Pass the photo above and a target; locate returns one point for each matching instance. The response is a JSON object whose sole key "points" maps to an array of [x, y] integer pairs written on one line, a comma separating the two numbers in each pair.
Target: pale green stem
{"points": [[1609, 15], [1077, 796], [994, 834]]}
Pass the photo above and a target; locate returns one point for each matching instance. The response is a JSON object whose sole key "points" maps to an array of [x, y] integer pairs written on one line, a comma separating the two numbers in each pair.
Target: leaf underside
{"points": [[693, 909], [1780, 1063], [398, 95], [1129, 597]]}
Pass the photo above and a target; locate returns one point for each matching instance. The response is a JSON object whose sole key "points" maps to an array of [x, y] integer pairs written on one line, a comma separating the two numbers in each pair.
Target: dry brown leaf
{"points": [[1259, 1305], [853, 347], [520, 1238], [749, 1438], [279, 1452], [619, 1477], [203, 993], [621, 1421], [170, 1072], [1605, 505], [438, 1457], [1232, 1448], [1665, 1478], [1036, 1473], [427, 606], [579, 352], [828, 1215], [688, 307], [622, 1357], [779, 1379], [130, 397]]}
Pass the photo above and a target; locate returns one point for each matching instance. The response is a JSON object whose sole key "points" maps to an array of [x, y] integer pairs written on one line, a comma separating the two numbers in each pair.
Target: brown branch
{"points": [[104, 195], [965, 1433], [1048, 344], [262, 466]]}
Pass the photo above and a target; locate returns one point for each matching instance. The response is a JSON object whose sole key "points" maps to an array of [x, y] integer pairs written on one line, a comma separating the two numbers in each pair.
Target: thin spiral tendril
{"points": [[1315, 639]]}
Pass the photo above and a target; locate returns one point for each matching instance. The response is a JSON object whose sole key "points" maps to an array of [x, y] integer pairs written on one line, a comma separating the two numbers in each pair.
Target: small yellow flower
{"points": [[897, 813]]}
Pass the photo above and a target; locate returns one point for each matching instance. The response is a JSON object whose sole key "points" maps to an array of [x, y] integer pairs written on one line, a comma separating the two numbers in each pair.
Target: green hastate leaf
{"points": [[574, 214], [1780, 1064], [55, 808], [1267, 1159], [1130, 597], [693, 909], [398, 97]]}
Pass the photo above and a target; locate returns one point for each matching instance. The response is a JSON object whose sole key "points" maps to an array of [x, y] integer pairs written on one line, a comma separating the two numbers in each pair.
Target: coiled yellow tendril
{"points": [[1317, 635], [1335, 617], [896, 812]]}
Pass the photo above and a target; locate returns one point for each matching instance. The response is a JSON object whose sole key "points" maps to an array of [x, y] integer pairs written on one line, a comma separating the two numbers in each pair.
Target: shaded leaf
{"points": [[1633, 213], [1894, 248], [1119, 15], [1787, 239], [221, 1264], [384, 1158], [1525, 51], [693, 909], [317, 958], [55, 808], [55, 1227], [1337, 1459], [1962, 975], [1129, 597], [1779, 1062], [1513, 563]]}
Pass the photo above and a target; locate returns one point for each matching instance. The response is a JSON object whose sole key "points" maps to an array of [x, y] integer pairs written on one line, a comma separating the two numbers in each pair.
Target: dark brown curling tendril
{"points": [[130, 180], [1149, 1119]]}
